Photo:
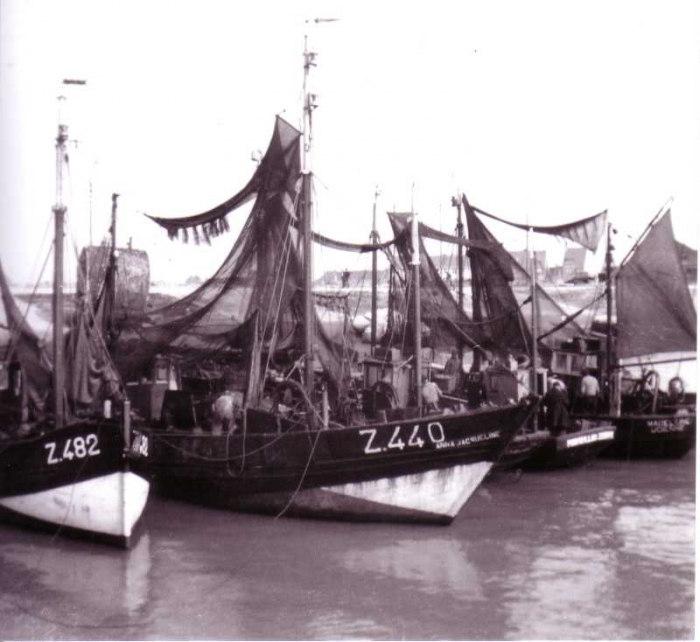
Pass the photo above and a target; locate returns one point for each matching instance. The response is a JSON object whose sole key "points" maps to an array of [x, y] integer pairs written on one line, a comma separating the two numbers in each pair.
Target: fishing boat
{"points": [[650, 350], [498, 329], [259, 411], [66, 463]]}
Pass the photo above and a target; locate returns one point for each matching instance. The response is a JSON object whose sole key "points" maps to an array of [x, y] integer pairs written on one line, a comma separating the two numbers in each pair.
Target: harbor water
{"points": [[605, 551]]}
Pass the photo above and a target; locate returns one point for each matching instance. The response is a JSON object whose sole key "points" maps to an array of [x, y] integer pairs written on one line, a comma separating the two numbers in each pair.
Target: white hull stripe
{"points": [[111, 504], [435, 492]]}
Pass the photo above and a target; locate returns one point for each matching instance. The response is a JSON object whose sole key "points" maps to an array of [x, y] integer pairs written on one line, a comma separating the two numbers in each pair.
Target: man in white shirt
{"points": [[431, 394], [589, 391]]}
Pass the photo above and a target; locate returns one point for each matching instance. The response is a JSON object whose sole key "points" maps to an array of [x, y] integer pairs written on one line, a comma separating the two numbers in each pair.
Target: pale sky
{"points": [[548, 111]]}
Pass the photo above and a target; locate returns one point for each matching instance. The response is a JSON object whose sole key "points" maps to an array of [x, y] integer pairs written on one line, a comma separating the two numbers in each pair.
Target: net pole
{"points": [[375, 240], [59, 211], [417, 347], [309, 61]]}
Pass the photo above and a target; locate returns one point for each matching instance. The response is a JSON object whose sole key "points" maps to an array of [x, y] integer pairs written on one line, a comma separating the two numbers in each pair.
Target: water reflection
{"points": [[433, 566], [565, 593], [605, 552], [659, 533], [74, 586]]}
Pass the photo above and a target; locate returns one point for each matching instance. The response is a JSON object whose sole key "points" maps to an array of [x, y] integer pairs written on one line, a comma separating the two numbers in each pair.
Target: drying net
{"points": [[502, 301], [261, 277], [19, 343], [448, 325]]}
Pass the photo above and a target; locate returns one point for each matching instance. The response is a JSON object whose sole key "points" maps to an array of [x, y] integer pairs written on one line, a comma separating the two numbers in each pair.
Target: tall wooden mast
{"points": [[535, 319], [456, 201], [307, 208], [59, 210], [610, 390], [417, 345], [374, 238], [112, 276]]}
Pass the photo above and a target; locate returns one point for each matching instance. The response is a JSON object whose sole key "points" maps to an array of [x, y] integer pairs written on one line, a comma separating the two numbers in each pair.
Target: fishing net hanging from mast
{"points": [[448, 324], [552, 333], [18, 342], [260, 278]]}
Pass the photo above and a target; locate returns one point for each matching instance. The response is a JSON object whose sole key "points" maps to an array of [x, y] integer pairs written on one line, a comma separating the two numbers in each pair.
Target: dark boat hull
{"points": [[416, 470], [76, 480], [572, 448], [652, 436]]}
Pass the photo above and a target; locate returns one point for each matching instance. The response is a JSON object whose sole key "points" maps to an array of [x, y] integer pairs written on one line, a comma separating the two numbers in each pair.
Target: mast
{"points": [[59, 211], [374, 238], [608, 330], [476, 290], [477, 296], [306, 204], [460, 269], [417, 346], [112, 282], [533, 295]]}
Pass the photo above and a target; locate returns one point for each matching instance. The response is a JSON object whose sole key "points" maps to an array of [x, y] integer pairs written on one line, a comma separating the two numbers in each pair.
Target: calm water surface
{"points": [[601, 552]]}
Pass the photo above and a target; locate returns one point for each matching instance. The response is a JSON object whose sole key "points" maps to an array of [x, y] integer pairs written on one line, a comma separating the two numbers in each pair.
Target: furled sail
{"points": [[655, 312], [587, 232], [91, 375]]}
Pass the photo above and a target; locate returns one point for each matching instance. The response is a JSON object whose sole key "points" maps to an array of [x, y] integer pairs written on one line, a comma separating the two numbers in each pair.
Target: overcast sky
{"points": [[547, 111]]}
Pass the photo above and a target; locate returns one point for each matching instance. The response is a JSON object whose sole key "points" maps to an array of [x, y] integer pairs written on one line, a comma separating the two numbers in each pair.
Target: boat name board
{"points": [[658, 426], [603, 435], [420, 435], [466, 441], [73, 447]]}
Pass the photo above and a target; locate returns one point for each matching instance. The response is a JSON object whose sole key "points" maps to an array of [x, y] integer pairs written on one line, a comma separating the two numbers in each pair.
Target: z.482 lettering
{"points": [[76, 447]]}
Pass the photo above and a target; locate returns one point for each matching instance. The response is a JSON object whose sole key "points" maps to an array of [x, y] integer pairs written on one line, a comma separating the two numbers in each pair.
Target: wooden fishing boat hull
{"points": [[413, 470], [77, 480], [572, 448], [652, 436]]}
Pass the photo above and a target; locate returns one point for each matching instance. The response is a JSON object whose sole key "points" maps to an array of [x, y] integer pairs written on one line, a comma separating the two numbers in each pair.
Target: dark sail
{"points": [[655, 312]]}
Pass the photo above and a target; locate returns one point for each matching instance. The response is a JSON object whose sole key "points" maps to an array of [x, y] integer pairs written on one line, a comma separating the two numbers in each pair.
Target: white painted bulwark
{"points": [[435, 492], [109, 505]]}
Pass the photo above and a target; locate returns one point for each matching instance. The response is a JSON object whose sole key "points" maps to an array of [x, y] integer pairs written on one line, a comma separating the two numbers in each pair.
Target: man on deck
{"points": [[431, 394], [589, 391], [453, 368]]}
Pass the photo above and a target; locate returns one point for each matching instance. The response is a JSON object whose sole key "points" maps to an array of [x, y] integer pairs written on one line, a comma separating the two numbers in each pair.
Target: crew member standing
{"points": [[589, 391]]}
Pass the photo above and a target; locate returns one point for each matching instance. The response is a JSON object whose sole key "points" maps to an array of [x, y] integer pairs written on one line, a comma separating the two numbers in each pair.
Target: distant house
{"points": [[521, 256], [574, 261]]}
